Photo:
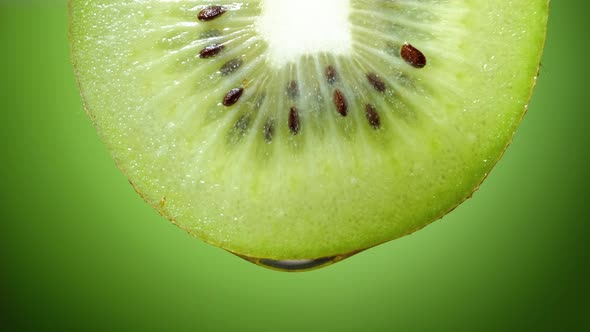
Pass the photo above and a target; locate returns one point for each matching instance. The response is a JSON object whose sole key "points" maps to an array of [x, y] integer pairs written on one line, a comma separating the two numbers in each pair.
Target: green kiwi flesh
{"points": [[295, 156]]}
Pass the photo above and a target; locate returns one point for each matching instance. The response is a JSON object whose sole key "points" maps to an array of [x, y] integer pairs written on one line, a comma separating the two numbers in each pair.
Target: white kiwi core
{"points": [[303, 27]]}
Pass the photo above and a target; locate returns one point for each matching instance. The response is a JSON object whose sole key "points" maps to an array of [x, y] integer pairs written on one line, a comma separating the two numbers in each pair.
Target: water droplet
{"points": [[295, 265]]}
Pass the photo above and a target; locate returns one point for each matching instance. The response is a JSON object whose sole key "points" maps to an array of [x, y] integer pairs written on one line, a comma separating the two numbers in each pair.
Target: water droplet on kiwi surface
{"points": [[277, 104], [295, 265]]}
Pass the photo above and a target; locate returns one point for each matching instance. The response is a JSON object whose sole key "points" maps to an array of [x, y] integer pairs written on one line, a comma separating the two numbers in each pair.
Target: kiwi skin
{"points": [[257, 260]]}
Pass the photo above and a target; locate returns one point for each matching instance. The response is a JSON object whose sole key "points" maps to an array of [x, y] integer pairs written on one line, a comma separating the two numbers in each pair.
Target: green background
{"points": [[80, 250]]}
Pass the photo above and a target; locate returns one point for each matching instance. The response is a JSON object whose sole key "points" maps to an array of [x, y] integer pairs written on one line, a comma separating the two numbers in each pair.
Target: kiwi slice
{"points": [[297, 133]]}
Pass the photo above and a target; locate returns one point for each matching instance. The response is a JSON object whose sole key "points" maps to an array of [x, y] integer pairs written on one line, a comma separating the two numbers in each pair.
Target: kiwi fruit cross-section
{"points": [[297, 133]]}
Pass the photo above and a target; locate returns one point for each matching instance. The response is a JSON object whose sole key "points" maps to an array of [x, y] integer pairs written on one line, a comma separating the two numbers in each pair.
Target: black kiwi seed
{"points": [[211, 51], [232, 96], [331, 74], [294, 122], [372, 116], [340, 102], [210, 13], [376, 82], [231, 66], [413, 56]]}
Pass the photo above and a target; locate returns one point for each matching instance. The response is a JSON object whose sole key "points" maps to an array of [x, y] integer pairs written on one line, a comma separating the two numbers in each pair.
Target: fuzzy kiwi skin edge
{"points": [[325, 260]]}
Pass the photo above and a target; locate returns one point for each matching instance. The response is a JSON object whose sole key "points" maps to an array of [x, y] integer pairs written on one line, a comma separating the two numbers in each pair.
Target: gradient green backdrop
{"points": [[79, 250]]}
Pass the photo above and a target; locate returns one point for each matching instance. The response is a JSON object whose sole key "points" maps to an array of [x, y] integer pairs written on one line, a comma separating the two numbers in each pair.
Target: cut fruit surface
{"points": [[299, 130]]}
